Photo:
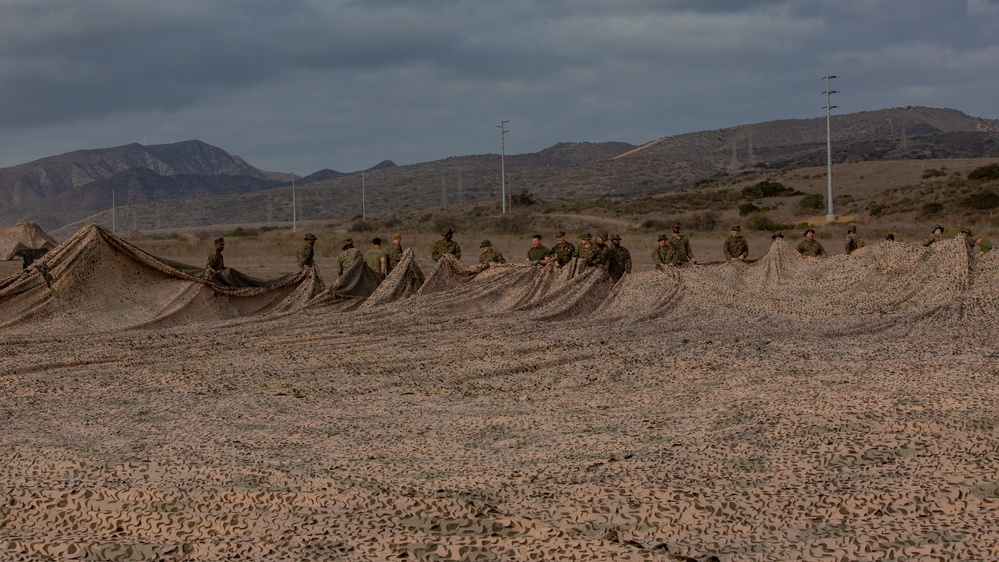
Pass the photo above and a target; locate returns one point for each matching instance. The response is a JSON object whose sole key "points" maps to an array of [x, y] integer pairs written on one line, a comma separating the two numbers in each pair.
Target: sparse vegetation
{"points": [[361, 226], [240, 231], [765, 189], [748, 209], [985, 173], [813, 201], [932, 208], [981, 201], [760, 221]]}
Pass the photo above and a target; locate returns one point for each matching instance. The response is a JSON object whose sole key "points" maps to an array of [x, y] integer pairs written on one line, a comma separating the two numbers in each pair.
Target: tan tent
{"points": [[14, 240]]}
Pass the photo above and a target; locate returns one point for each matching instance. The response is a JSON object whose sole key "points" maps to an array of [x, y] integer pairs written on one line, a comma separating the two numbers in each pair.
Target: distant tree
{"points": [[524, 198]]}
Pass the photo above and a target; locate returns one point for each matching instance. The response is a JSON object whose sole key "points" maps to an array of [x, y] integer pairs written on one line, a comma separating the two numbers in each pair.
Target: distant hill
{"points": [[46, 189], [192, 184]]}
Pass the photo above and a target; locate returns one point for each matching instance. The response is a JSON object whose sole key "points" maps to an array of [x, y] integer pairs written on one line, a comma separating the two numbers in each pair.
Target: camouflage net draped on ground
{"points": [[840, 408], [96, 281]]}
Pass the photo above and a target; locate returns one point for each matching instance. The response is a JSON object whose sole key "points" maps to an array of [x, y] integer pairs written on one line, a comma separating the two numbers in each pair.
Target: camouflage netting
{"points": [[839, 408], [96, 281], [23, 236]]}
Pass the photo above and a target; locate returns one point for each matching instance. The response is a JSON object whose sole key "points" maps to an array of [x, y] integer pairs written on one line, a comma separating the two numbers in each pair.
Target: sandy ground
{"points": [[440, 428]]}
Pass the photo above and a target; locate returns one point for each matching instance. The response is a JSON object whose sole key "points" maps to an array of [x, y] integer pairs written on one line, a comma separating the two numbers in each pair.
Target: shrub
{"points": [[813, 201], [702, 221], [933, 173], [759, 221], [984, 173], [240, 231], [513, 224], [932, 208], [361, 226], [981, 201], [747, 209], [767, 189], [523, 198], [877, 209]]}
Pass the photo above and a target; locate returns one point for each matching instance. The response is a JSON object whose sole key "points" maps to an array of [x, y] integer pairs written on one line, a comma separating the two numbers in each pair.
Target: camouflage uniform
{"points": [[659, 254], [618, 262], [215, 260], [678, 250], [347, 259], [586, 253], [736, 247], [853, 242], [934, 237], [394, 255], [442, 247], [491, 256], [811, 248], [306, 256], [563, 253]]}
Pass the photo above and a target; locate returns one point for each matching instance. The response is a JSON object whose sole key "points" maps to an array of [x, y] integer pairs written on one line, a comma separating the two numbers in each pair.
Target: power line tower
{"points": [[830, 216], [503, 133]]}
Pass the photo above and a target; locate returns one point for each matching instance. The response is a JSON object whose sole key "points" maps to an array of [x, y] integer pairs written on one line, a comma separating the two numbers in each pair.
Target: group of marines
{"points": [[673, 250]]}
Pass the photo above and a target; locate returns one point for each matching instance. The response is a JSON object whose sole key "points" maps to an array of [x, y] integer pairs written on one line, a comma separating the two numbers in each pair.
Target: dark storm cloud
{"points": [[301, 85]]}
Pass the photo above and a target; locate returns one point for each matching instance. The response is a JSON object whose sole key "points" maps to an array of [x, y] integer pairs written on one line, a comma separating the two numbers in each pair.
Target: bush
{"points": [[524, 198], [513, 224], [933, 173], [703, 221], [981, 201], [984, 173], [240, 231], [813, 201], [748, 209], [361, 226], [877, 209], [762, 222], [767, 189], [932, 208]]}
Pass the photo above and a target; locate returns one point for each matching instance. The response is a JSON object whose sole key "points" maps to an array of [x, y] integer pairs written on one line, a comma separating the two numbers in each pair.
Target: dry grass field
{"points": [[842, 408]]}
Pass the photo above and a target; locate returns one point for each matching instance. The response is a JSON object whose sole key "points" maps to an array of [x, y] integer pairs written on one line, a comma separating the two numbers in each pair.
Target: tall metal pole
{"points": [[294, 206], [503, 161], [830, 216]]}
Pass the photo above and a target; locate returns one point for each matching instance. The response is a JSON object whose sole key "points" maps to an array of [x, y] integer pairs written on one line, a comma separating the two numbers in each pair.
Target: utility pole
{"points": [[830, 216], [294, 206], [503, 161]]}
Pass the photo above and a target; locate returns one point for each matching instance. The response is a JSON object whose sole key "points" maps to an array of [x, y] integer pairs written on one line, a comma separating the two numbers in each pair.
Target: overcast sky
{"points": [[300, 85]]}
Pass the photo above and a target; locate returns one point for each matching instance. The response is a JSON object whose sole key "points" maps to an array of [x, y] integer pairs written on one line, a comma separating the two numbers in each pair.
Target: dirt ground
{"points": [[839, 409]]}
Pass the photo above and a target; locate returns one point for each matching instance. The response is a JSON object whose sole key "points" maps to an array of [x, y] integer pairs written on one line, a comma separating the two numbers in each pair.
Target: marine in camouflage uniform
{"points": [[215, 261], [937, 236], [489, 255], [563, 252], [348, 256], [307, 253], [586, 250], [853, 242], [618, 259], [736, 247], [394, 253], [601, 251], [660, 253], [445, 246], [678, 248], [810, 247]]}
